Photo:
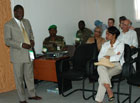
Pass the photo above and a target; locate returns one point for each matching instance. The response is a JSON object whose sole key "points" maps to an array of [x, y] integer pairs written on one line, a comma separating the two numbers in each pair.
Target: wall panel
{"points": [[6, 69]]}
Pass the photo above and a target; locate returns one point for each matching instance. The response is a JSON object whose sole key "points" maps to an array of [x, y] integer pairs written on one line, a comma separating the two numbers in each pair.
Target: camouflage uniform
{"points": [[53, 45], [84, 35]]}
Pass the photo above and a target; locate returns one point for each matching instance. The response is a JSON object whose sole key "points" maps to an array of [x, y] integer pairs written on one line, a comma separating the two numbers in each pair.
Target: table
{"points": [[48, 69]]}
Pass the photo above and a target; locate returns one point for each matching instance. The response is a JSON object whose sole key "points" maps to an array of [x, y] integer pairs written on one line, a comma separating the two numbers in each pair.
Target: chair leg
{"points": [[65, 95], [136, 100], [118, 90], [130, 93], [86, 98], [126, 94], [62, 89], [94, 92], [83, 90]]}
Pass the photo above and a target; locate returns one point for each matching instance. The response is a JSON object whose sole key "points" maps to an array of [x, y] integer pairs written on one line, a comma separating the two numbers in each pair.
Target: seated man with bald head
{"points": [[127, 35], [53, 42]]}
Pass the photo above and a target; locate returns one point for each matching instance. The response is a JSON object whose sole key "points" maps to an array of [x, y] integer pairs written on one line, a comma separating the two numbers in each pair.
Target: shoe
{"points": [[35, 98], [23, 102], [111, 100]]}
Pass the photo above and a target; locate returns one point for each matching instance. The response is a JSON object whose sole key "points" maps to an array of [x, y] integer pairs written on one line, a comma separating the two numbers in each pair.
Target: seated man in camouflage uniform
{"points": [[83, 33], [54, 42]]}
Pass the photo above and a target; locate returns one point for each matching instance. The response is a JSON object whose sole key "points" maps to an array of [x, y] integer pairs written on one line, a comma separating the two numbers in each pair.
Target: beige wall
{"points": [[6, 71], [126, 8], [65, 14]]}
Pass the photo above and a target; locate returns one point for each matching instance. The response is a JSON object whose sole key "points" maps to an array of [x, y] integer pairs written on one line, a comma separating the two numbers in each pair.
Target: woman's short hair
{"points": [[114, 31], [97, 27]]}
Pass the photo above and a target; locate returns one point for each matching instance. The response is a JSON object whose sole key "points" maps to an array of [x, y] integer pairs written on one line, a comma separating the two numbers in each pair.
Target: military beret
{"points": [[52, 27]]}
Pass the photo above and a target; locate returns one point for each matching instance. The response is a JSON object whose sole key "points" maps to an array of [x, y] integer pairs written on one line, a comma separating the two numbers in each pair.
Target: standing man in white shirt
{"points": [[127, 35]]}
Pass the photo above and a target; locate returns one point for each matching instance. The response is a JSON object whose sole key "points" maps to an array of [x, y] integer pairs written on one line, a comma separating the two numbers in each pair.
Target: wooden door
{"points": [[6, 69]]}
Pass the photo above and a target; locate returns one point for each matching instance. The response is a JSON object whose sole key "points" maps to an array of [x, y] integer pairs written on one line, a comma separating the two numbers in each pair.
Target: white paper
{"points": [[31, 53]]}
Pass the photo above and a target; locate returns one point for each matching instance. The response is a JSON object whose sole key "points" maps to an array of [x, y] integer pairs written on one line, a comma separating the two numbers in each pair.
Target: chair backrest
{"points": [[127, 68], [138, 61], [127, 53], [138, 35], [70, 49], [84, 53]]}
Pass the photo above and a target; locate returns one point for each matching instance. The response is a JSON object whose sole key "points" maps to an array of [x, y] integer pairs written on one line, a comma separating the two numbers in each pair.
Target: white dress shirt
{"points": [[19, 23], [118, 48], [129, 38]]}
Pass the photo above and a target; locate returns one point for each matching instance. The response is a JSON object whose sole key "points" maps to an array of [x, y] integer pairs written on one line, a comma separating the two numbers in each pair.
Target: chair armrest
{"points": [[134, 51], [137, 58], [134, 60]]}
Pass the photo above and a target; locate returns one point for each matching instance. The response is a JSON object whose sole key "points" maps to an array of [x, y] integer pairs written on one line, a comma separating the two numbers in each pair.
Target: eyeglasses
{"points": [[97, 31], [125, 24]]}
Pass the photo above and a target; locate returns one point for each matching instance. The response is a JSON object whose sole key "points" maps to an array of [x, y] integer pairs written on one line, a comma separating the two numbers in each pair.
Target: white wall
{"points": [[126, 8], [65, 14]]}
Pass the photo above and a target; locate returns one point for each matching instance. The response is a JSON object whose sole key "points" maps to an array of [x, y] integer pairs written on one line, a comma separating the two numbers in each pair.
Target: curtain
{"points": [[137, 9]]}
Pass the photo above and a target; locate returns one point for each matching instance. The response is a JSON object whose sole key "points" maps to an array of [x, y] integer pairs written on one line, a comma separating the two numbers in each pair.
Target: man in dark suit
{"points": [[19, 37]]}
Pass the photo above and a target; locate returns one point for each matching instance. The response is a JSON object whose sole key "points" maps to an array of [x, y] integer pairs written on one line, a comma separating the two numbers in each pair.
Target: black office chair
{"points": [[77, 68], [123, 75]]}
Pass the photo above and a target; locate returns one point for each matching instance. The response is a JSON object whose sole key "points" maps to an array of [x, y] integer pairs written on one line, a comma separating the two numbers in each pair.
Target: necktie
{"points": [[25, 35]]}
